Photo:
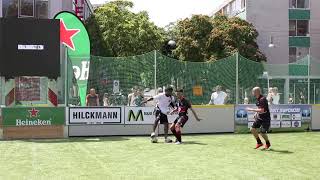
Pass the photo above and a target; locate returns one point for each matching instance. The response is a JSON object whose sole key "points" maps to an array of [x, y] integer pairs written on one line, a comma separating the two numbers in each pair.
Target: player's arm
{"points": [[195, 114], [261, 108], [145, 101], [258, 110]]}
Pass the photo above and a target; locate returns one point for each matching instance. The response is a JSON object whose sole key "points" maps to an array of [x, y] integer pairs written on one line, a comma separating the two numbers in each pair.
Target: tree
{"points": [[192, 36], [202, 38], [231, 35], [116, 31]]}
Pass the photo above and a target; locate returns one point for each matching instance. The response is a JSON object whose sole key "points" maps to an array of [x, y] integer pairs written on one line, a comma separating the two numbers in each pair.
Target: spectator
{"points": [[132, 97], [106, 99], [92, 98], [270, 96], [218, 97], [290, 101], [276, 96], [302, 98]]}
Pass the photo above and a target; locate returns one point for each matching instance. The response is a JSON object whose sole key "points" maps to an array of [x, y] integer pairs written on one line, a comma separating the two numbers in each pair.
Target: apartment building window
{"points": [[297, 53], [298, 28], [226, 10], [243, 4], [25, 8], [232, 7], [302, 4], [10, 8], [42, 10]]}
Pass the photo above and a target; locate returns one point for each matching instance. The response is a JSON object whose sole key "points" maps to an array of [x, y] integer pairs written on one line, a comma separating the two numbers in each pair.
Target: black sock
{"points": [[259, 141], [268, 142]]}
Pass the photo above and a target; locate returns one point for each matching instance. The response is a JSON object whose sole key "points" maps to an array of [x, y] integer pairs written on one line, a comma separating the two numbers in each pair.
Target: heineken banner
{"points": [[74, 36], [33, 116], [283, 117], [142, 115], [95, 115]]}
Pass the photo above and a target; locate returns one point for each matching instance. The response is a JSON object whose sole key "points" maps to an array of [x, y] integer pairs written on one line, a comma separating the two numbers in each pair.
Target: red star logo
{"points": [[33, 112], [66, 35]]}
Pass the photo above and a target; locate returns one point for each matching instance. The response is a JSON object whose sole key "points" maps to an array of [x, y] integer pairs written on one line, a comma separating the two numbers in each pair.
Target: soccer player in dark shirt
{"points": [[262, 118], [183, 105]]}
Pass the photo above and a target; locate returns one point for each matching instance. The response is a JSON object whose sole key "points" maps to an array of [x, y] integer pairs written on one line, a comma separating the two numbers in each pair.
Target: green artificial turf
{"points": [[225, 156]]}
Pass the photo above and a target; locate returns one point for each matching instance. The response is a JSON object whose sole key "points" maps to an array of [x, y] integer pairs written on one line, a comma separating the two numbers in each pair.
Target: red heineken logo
{"points": [[33, 112], [66, 35]]}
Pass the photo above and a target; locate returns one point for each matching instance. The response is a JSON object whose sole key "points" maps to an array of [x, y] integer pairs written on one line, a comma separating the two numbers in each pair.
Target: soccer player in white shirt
{"points": [[164, 100]]}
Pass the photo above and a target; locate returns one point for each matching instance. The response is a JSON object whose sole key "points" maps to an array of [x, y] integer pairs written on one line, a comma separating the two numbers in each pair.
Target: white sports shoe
{"points": [[178, 143], [153, 135]]}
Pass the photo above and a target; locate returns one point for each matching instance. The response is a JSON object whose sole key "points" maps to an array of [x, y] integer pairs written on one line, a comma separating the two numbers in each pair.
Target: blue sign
{"points": [[283, 117]]}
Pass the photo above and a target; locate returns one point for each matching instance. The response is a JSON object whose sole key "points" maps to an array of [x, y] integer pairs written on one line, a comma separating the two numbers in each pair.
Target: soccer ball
{"points": [[154, 140]]}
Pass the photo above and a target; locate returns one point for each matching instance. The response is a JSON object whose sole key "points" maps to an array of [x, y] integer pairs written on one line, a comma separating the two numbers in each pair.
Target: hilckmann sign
{"points": [[95, 115], [42, 116]]}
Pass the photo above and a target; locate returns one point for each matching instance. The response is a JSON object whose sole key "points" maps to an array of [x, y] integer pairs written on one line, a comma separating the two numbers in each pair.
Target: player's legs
{"points": [[264, 130], [178, 133], [166, 129], [173, 128], [165, 122], [155, 124], [180, 122], [257, 124]]}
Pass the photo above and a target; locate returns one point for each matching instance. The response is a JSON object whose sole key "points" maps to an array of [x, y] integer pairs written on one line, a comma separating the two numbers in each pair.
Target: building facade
{"points": [[293, 26], [44, 9]]}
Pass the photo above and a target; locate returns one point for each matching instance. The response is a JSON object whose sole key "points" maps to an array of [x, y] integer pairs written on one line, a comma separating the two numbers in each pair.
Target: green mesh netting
{"points": [[116, 77]]}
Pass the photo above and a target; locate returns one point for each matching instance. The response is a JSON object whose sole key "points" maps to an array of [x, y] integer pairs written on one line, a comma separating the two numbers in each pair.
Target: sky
{"points": [[162, 12]]}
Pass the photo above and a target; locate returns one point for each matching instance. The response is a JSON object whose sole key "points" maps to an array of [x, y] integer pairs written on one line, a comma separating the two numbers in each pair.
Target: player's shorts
{"points": [[162, 117], [264, 125], [181, 120]]}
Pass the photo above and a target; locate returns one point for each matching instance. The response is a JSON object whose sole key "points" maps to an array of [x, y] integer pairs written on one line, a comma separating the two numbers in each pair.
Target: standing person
{"points": [[262, 118], [183, 106], [106, 99], [270, 96], [218, 97], [132, 97], [302, 98], [164, 100], [276, 96], [92, 98], [139, 98]]}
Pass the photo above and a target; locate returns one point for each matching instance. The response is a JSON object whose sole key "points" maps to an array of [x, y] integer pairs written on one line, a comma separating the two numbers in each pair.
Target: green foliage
{"points": [[116, 31], [202, 38]]}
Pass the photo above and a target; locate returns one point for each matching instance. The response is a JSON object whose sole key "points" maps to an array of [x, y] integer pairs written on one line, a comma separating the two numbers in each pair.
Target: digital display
{"points": [[29, 47]]}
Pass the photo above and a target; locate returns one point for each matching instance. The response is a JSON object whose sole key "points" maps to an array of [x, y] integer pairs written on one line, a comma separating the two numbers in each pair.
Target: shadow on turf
{"points": [[278, 151], [194, 143], [77, 139]]}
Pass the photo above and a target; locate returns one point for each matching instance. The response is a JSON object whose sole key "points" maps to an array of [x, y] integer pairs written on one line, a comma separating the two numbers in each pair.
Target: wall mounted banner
{"points": [[74, 35], [95, 115], [142, 115], [283, 117], [33, 116]]}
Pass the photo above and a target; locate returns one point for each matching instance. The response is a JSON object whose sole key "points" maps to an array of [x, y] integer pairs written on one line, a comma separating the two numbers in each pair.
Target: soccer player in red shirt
{"points": [[183, 106]]}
